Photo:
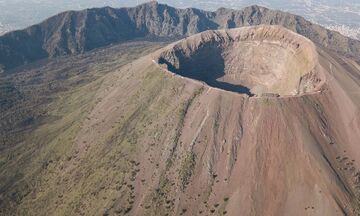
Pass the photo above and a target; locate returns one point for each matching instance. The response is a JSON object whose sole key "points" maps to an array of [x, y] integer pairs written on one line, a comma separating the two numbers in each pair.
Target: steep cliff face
{"points": [[75, 32], [259, 60]]}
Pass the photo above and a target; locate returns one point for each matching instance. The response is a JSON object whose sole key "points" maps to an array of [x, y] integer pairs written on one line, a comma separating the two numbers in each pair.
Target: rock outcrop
{"points": [[74, 32]]}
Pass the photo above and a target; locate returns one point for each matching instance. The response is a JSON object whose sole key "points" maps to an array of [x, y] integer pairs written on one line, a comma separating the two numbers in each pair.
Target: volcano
{"points": [[256, 120]]}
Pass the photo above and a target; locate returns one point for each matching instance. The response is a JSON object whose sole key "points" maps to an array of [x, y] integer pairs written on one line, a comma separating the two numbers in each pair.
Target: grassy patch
{"points": [[187, 169], [182, 115]]}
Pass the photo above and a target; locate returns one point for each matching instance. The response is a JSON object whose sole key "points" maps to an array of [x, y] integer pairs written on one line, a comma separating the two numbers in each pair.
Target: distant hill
{"points": [[74, 32]]}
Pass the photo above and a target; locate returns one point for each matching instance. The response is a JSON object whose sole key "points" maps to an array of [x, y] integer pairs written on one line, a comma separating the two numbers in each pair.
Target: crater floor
{"points": [[262, 60]]}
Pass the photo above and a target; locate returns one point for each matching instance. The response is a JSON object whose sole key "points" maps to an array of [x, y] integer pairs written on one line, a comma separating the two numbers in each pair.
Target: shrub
{"points": [[187, 169]]}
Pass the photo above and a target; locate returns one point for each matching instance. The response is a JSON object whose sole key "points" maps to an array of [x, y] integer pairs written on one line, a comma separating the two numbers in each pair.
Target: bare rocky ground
{"points": [[262, 60], [136, 139]]}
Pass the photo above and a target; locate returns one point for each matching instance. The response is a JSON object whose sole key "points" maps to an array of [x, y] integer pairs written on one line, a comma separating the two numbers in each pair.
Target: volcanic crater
{"points": [[257, 61]]}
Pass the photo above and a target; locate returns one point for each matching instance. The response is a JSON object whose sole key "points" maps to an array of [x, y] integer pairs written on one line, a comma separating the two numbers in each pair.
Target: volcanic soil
{"points": [[251, 121]]}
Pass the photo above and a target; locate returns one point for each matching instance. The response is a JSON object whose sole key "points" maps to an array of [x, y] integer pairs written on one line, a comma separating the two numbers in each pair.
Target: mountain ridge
{"points": [[114, 131], [74, 32]]}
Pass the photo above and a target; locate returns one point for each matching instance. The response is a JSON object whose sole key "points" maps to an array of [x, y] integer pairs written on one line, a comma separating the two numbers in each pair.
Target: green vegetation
{"points": [[184, 110], [39, 167], [187, 169], [160, 198], [217, 121], [183, 211], [182, 114]]}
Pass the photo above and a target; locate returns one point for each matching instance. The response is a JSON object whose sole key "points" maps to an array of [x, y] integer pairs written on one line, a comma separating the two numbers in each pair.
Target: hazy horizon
{"points": [[343, 16]]}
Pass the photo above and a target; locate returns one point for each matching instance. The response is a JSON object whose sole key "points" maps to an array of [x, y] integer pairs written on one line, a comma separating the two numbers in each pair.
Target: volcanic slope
{"points": [[140, 139]]}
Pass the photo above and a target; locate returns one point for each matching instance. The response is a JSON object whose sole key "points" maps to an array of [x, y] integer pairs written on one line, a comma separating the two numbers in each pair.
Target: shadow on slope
{"points": [[207, 65]]}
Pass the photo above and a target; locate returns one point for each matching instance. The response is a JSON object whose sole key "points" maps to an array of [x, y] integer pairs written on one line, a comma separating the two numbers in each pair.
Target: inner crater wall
{"points": [[258, 60]]}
